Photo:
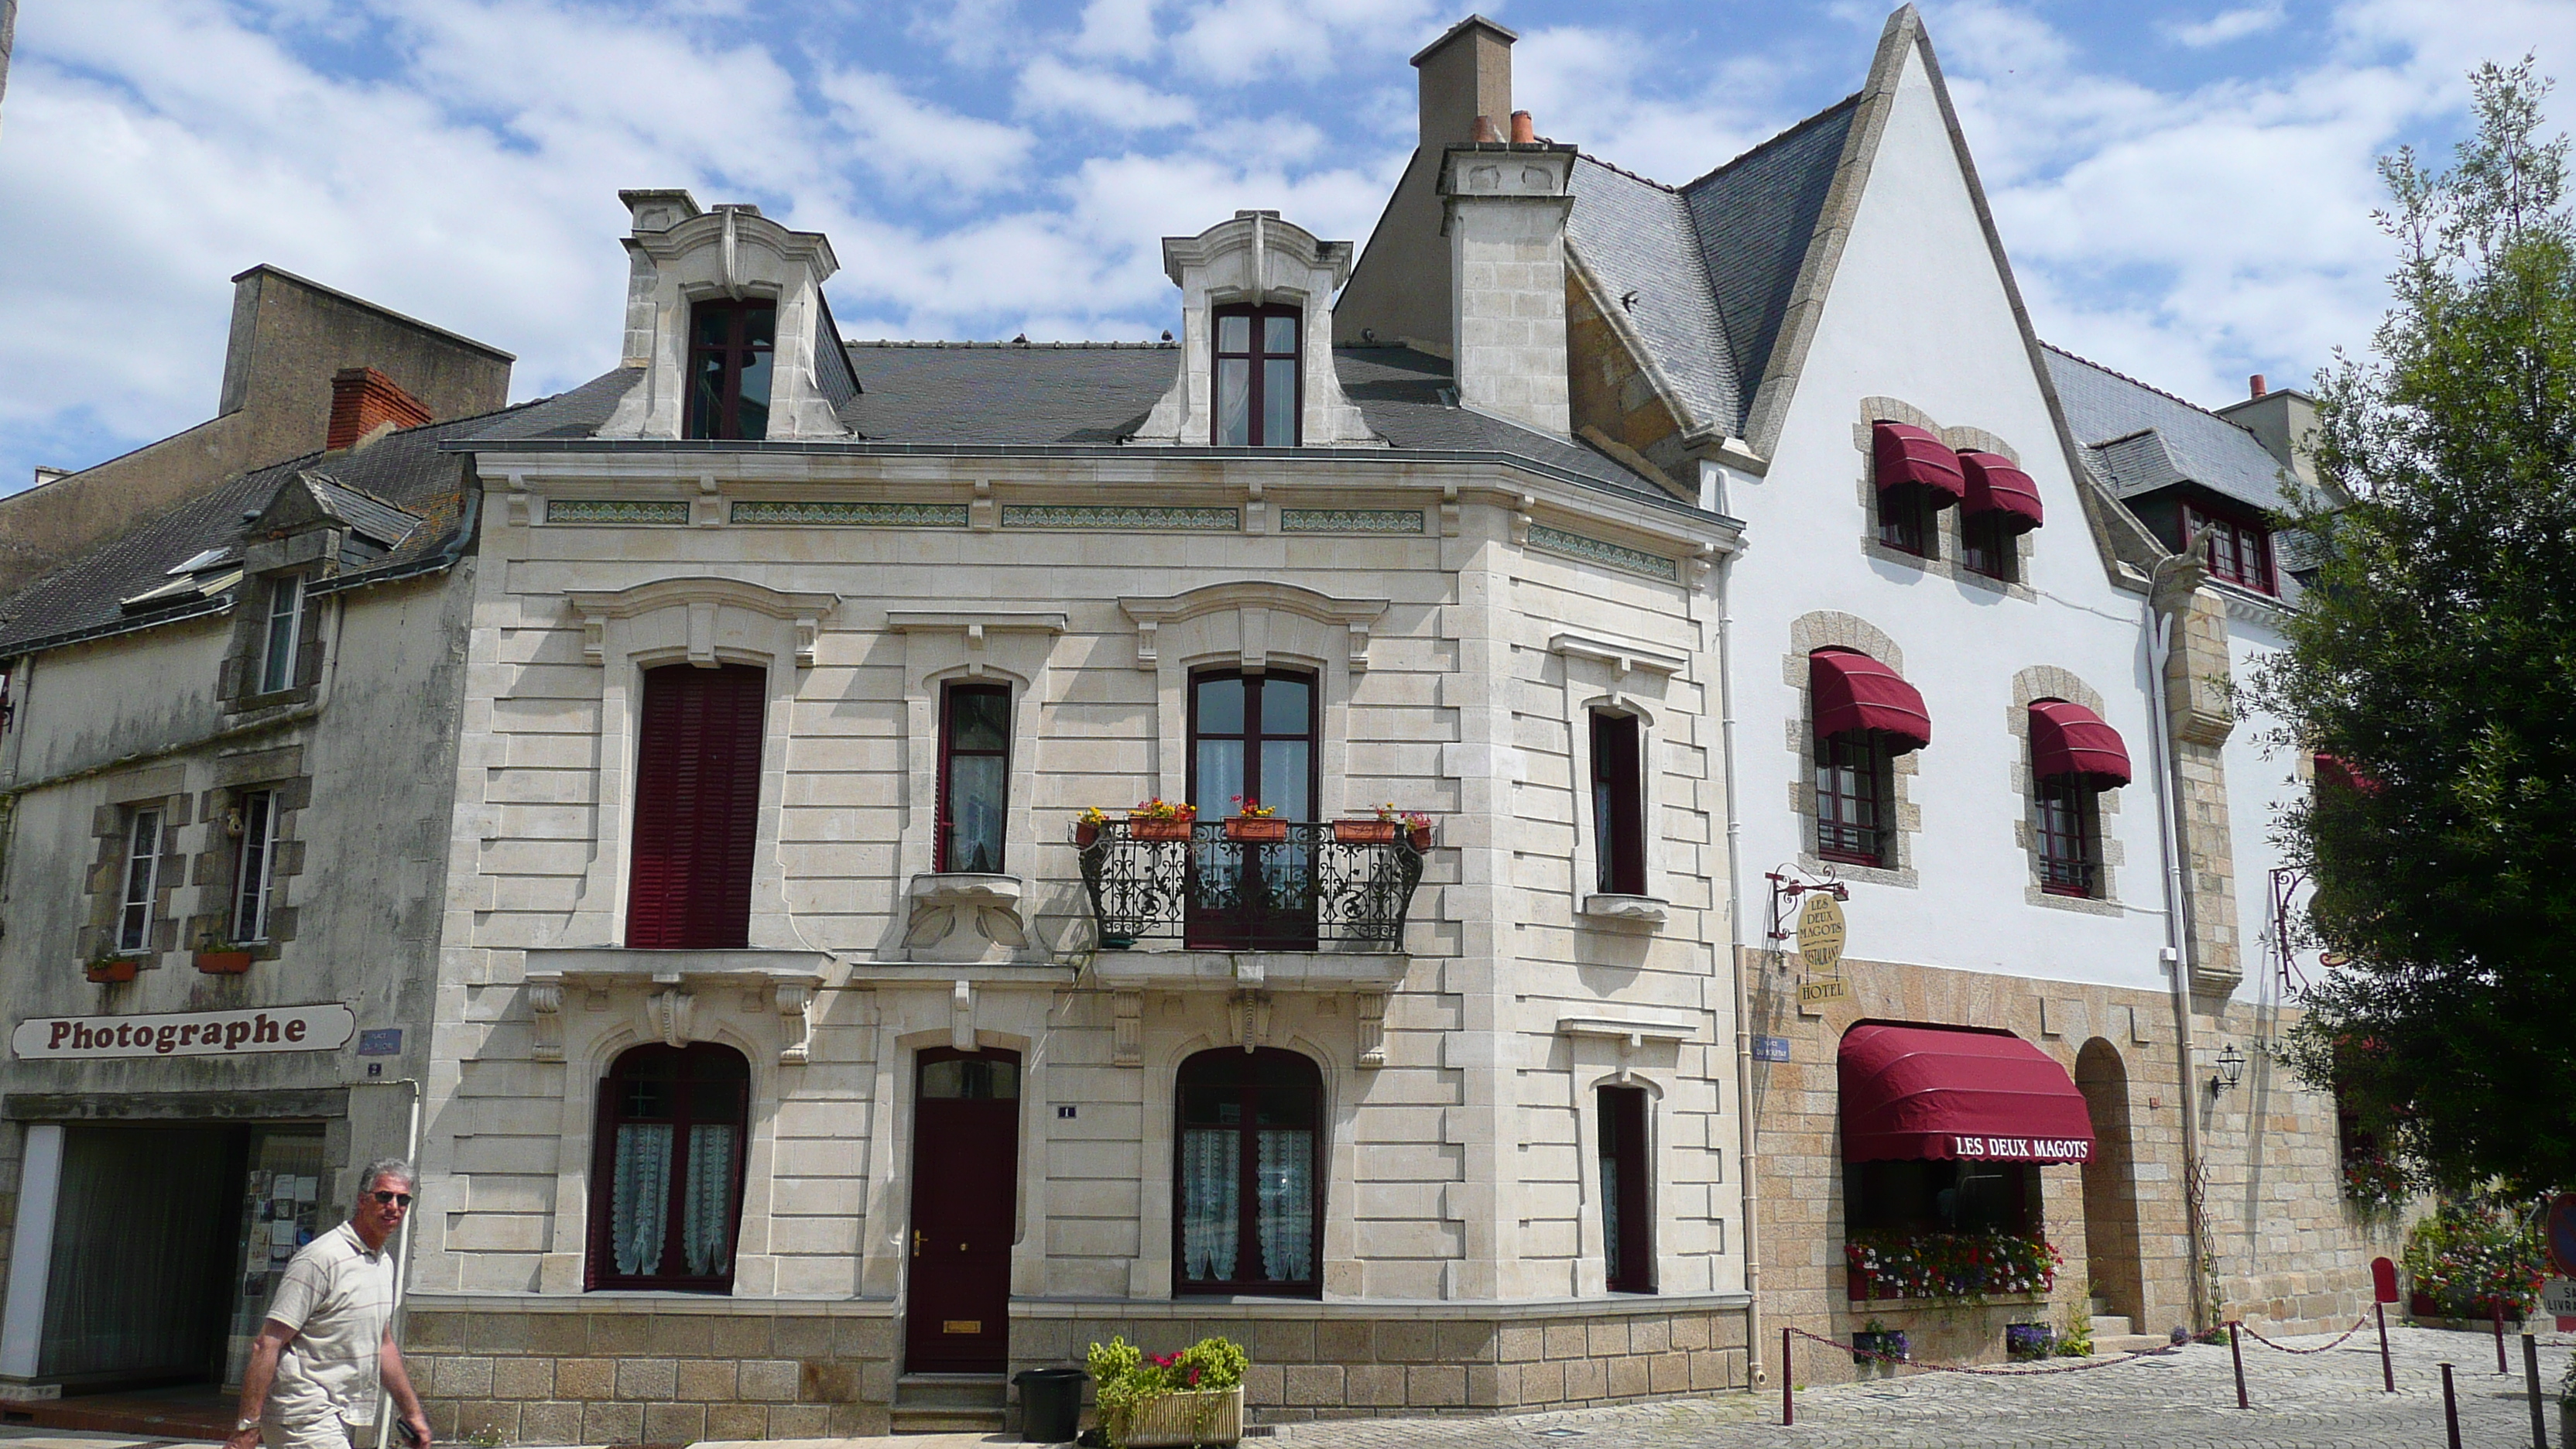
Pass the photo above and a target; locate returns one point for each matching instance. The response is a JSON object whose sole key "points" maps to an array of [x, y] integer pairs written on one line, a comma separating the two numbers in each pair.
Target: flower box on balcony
{"points": [[224, 963], [1208, 1416], [1421, 838], [1365, 832], [1159, 827], [113, 969], [1255, 829]]}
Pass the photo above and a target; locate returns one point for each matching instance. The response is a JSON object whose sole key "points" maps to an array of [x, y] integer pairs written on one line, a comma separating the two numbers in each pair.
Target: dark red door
{"points": [[965, 1184]]}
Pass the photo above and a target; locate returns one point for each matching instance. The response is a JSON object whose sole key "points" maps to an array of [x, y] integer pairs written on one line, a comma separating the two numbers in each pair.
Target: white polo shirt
{"points": [[338, 1297]]}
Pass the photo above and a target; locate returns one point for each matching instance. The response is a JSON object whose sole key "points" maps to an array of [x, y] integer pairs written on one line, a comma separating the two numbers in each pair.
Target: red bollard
{"points": [[2450, 1408], [2236, 1351], [1788, 1389], [2387, 1371]]}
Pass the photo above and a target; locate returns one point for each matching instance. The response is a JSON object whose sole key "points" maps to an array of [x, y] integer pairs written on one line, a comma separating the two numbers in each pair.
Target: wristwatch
{"points": [[244, 1426]]}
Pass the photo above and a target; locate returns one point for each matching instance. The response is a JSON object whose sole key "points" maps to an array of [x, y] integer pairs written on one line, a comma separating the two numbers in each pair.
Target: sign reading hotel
{"points": [[1820, 946], [320, 1028], [2023, 1149]]}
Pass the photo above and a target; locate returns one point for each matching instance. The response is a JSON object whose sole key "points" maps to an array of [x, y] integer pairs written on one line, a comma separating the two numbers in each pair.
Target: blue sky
{"points": [[2184, 188]]}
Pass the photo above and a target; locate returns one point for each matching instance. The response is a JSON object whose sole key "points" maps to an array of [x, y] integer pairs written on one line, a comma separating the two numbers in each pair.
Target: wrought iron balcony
{"points": [[1307, 891]]}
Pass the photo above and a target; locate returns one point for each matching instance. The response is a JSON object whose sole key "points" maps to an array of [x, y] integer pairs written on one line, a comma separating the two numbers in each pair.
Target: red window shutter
{"points": [[697, 807]]}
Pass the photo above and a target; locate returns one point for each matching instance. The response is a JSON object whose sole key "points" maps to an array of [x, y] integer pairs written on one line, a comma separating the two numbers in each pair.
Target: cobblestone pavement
{"points": [[2180, 1400]]}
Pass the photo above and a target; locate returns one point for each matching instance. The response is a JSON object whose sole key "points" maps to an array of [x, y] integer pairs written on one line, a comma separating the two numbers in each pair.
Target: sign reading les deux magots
{"points": [[2023, 1149], [318, 1028]]}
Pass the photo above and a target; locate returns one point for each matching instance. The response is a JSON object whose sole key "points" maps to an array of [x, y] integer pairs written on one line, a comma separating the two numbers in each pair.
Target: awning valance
{"points": [[1995, 485], [1904, 453], [1855, 692], [1952, 1093], [2068, 739]]}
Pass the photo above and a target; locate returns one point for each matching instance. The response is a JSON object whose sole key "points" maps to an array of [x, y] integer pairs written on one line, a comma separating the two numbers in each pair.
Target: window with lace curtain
{"points": [[666, 1173], [1248, 1192]]}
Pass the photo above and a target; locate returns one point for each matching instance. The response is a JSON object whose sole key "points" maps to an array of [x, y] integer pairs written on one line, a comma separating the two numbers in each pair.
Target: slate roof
{"points": [[1754, 217], [400, 489], [2140, 440], [1636, 237]]}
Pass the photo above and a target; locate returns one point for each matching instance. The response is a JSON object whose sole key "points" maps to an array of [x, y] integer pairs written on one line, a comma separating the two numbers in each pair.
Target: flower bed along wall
{"points": [[1949, 1265]]}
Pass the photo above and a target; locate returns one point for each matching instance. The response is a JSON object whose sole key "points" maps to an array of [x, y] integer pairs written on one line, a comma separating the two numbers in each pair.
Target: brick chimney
{"points": [[363, 400]]}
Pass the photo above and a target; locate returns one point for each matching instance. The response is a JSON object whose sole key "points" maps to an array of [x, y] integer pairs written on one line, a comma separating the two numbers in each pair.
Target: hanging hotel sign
{"points": [[1820, 947], [318, 1028]]}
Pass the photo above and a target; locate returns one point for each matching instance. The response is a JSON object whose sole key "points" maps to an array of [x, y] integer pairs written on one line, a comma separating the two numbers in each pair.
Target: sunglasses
{"points": [[391, 1199]]}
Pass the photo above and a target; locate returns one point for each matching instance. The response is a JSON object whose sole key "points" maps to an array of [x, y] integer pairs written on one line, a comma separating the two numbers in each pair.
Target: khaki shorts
{"points": [[330, 1431]]}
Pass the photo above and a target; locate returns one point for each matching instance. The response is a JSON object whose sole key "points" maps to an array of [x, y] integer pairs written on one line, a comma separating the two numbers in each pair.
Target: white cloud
{"points": [[913, 141], [1049, 87], [1239, 40], [1117, 30], [1582, 85], [2227, 25]]}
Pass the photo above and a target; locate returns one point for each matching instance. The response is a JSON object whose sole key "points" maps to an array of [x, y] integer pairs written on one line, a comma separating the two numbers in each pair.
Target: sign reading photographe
{"points": [[319, 1028]]}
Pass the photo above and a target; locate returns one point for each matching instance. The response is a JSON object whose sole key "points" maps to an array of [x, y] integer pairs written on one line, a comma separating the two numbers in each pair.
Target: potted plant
{"points": [[1254, 821], [1160, 819], [110, 966], [2025, 1342], [218, 957], [1194, 1396], [1384, 827], [1087, 826], [1879, 1343]]}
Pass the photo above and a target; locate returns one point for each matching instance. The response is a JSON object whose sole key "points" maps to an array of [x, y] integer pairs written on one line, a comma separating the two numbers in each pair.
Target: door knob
{"points": [[961, 1247], [916, 1242]]}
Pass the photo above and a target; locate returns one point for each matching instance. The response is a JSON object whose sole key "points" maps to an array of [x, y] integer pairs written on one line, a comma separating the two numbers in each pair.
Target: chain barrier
{"points": [[2022, 1371], [2253, 1333]]}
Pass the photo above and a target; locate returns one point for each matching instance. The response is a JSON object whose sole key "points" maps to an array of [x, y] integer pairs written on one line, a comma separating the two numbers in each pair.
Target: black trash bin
{"points": [[1050, 1404]]}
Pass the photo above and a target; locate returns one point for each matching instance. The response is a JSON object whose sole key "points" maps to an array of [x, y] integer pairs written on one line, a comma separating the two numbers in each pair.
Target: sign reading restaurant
{"points": [[2024, 1149], [317, 1028]]}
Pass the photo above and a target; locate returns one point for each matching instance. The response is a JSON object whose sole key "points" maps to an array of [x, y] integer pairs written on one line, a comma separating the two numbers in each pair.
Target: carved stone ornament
{"points": [[1127, 1036], [545, 1016], [702, 602], [961, 917], [1369, 1024]]}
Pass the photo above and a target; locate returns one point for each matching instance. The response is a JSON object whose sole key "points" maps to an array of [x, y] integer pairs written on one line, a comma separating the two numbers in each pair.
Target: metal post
{"points": [[1788, 1382], [2387, 1370], [2236, 1351], [2496, 1307], [2531, 1381], [2450, 1408]]}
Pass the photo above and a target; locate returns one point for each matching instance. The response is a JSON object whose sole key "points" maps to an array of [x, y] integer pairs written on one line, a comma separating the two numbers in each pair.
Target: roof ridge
{"points": [[1664, 186], [2140, 383], [1758, 147]]}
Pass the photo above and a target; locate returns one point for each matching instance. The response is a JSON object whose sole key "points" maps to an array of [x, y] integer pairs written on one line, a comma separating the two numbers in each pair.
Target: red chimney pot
{"points": [[1524, 132], [1486, 130], [2255, 385]]}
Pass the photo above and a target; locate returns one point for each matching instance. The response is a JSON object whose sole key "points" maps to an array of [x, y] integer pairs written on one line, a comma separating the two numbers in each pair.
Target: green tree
{"points": [[2434, 659]]}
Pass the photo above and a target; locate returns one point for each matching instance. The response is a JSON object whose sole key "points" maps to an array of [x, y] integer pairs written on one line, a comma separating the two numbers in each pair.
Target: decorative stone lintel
{"points": [[1636, 910], [975, 624], [1629, 1034], [671, 982], [1254, 601], [701, 597], [965, 917], [1625, 655]]}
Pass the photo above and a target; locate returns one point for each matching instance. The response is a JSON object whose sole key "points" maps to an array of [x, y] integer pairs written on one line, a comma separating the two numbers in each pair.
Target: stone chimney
{"points": [[2284, 421], [1504, 205], [364, 401]]}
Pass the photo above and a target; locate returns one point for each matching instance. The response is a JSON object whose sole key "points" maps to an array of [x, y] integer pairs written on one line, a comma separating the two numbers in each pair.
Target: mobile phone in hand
{"points": [[414, 1436]]}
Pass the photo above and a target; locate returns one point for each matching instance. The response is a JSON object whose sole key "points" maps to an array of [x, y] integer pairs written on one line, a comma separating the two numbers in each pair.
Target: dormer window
{"points": [[730, 347], [1257, 392], [285, 625], [2239, 548]]}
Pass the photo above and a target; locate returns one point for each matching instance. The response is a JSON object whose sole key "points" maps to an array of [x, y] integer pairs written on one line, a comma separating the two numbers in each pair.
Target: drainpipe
{"points": [[385, 1408], [2177, 951], [1745, 1133]]}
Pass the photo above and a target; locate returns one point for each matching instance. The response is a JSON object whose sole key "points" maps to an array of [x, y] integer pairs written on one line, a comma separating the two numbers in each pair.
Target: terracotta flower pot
{"points": [[1256, 829], [1422, 837], [223, 963], [1364, 832], [119, 969], [1084, 833], [1150, 827]]}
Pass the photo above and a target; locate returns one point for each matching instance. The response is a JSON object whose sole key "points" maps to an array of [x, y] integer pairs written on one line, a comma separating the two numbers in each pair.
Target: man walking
{"points": [[329, 1338]]}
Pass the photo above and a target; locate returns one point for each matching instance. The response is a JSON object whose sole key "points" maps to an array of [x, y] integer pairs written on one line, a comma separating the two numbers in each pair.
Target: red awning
{"points": [[1996, 486], [1952, 1093], [1908, 454], [2068, 739], [2333, 771], [1855, 692]]}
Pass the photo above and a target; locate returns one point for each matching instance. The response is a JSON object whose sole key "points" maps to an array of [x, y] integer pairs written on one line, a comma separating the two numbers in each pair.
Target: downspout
{"points": [[402, 1255], [1754, 1376], [2177, 951]]}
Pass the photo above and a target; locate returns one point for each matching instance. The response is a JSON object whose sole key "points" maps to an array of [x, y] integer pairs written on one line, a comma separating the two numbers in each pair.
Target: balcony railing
{"points": [[1305, 892]]}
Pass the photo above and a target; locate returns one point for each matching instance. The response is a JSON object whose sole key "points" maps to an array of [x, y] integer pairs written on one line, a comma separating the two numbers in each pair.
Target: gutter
{"points": [[1746, 1133], [2177, 951]]}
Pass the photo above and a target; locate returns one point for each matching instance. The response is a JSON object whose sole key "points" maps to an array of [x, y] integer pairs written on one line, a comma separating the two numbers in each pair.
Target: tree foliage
{"points": [[2434, 661]]}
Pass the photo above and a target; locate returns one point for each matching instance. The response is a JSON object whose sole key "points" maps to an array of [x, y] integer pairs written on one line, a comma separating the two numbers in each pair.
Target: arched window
{"points": [[1248, 1189], [666, 1169]]}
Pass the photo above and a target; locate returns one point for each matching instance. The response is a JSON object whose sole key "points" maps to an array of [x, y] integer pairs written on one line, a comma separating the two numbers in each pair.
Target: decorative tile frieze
{"points": [[1350, 520], [850, 515], [1613, 555], [616, 510], [1119, 517]]}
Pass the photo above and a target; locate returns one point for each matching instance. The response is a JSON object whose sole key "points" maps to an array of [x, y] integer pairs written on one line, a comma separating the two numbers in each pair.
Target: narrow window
{"points": [[697, 807], [2070, 851], [1851, 790], [1252, 738], [142, 880], [730, 345], [1248, 1189], [1905, 513], [254, 865], [666, 1174], [1257, 386], [1618, 805], [1627, 1191], [285, 624], [974, 776], [1988, 546]]}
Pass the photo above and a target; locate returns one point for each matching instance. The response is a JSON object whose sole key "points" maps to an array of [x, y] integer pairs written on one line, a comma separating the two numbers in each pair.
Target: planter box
{"points": [[1364, 832], [119, 969], [1085, 834], [1260, 829], [223, 963], [1144, 827], [1866, 1344], [1213, 1416], [1422, 837]]}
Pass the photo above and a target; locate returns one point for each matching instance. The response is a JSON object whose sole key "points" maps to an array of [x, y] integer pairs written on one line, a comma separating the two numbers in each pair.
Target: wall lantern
{"points": [[2231, 1070]]}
